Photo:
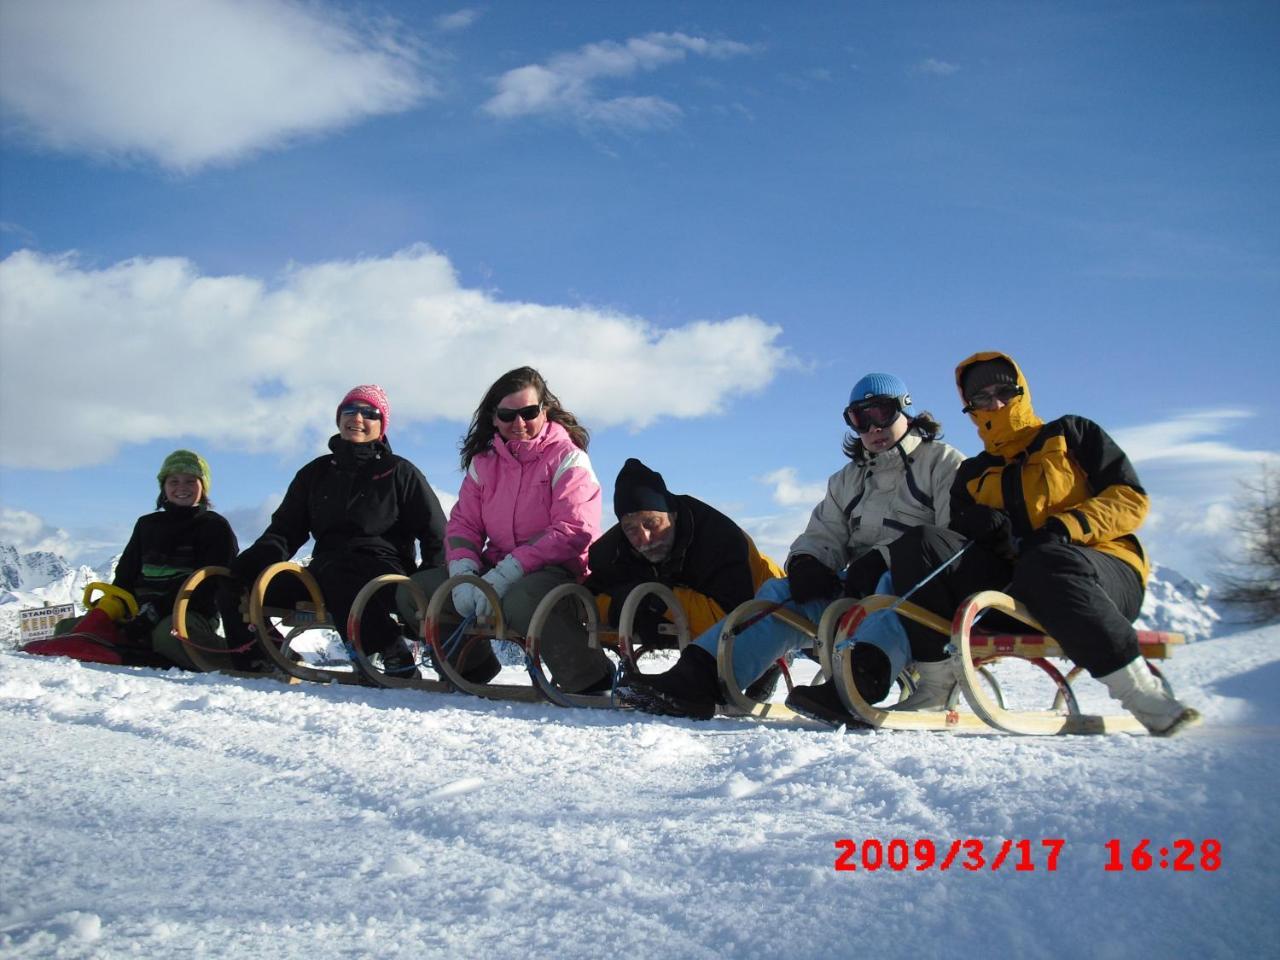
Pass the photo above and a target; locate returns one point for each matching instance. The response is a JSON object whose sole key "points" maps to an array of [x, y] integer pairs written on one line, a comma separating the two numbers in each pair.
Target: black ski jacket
{"points": [[167, 547], [711, 555], [360, 498]]}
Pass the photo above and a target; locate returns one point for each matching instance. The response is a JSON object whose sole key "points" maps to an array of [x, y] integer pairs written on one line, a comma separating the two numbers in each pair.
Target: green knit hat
{"points": [[185, 461]]}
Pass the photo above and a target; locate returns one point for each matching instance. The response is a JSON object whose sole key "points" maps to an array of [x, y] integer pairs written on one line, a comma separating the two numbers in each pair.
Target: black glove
{"points": [[649, 615], [138, 629], [871, 672], [1051, 532], [811, 579], [988, 526], [864, 574]]}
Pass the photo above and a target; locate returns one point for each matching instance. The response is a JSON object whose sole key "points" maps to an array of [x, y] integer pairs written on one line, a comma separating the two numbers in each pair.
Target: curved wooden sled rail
{"points": [[1018, 721], [317, 618], [839, 651], [354, 618], [431, 634], [545, 684], [737, 703], [201, 657]]}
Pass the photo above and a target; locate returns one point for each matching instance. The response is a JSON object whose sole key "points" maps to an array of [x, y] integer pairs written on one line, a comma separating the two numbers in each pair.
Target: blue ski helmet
{"points": [[881, 385]]}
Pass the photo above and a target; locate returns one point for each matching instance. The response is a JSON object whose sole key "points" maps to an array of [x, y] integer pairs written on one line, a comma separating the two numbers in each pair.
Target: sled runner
{"points": [[970, 651]]}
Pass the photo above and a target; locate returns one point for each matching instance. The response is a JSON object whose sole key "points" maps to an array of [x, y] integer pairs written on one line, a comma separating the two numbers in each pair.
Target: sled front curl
{"points": [[481, 633], [1016, 721], [832, 641], [736, 702], [415, 681], [299, 619]]}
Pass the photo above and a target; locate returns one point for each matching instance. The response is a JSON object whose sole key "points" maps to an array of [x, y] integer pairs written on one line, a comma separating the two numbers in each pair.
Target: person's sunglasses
{"points": [[366, 411], [506, 414], [869, 414], [986, 398]]}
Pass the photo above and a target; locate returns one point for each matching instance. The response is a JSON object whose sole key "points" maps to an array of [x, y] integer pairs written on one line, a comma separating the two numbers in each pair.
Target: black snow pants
{"points": [[1085, 599]]}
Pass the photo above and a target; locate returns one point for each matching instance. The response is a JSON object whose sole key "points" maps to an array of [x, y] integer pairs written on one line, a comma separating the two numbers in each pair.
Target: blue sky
{"points": [[702, 221]]}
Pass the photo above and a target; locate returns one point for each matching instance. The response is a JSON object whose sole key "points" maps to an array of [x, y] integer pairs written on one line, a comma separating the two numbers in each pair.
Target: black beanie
{"points": [[987, 372], [639, 488]]}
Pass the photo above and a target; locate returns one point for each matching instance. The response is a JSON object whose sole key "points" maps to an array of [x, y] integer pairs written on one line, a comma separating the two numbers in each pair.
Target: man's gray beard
{"points": [[657, 554]]}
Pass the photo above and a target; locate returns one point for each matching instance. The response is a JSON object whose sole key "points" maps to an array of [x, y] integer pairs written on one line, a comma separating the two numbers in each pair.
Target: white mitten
{"points": [[500, 578], [465, 595]]}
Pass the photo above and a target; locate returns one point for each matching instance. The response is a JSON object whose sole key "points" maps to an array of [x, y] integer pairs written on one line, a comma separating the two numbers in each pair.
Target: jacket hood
{"points": [[1005, 432]]}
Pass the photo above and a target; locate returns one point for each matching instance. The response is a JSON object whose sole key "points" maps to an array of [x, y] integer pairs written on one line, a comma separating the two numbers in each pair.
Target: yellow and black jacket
{"points": [[1068, 469]]}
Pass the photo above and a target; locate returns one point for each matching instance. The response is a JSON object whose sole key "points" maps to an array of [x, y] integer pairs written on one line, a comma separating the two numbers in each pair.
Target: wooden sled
{"points": [[970, 651], [737, 702], [543, 686], [305, 615], [414, 681]]}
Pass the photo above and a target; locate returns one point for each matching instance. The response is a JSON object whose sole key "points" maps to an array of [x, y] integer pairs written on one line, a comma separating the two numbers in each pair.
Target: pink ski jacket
{"points": [[537, 500]]}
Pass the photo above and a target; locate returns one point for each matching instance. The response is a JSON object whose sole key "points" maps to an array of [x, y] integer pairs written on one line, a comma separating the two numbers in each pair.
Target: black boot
{"points": [[762, 688], [821, 702], [689, 689], [398, 661]]}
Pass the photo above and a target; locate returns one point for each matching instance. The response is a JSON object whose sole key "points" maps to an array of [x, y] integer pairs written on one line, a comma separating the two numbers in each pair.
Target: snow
{"points": [[165, 814]]}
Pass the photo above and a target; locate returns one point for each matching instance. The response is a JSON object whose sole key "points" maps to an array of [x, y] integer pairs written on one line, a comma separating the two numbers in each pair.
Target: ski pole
{"points": [[848, 641]]}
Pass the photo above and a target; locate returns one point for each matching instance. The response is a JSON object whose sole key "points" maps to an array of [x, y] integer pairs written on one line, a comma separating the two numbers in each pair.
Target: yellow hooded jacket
{"points": [[1068, 470]]}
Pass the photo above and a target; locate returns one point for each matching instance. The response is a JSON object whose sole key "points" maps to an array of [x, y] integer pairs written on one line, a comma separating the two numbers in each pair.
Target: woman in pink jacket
{"points": [[528, 510]]}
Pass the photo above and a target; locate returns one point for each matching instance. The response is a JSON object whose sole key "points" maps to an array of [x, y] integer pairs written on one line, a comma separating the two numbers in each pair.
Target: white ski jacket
{"points": [[871, 502]]}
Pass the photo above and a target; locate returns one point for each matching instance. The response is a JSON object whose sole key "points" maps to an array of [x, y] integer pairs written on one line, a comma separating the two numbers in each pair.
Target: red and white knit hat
{"points": [[374, 396]]}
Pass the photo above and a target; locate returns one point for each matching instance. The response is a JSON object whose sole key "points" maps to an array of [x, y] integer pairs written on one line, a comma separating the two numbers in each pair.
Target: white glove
{"points": [[500, 578], [465, 595]]}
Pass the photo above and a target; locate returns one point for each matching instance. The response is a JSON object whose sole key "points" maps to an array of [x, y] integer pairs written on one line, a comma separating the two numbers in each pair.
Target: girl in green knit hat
{"points": [[182, 535]]}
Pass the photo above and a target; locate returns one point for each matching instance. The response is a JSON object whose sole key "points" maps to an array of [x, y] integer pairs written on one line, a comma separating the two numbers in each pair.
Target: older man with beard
{"points": [[707, 560]]}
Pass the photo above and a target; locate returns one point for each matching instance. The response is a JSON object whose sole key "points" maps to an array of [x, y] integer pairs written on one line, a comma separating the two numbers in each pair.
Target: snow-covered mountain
{"points": [[1173, 602], [36, 578]]}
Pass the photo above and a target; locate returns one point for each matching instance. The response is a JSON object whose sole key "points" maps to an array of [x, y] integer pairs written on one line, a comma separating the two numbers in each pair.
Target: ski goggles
{"points": [[507, 415], [866, 415], [987, 397], [366, 411]]}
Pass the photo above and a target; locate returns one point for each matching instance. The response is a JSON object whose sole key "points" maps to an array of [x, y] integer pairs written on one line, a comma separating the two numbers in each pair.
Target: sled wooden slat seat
{"points": [[1153, 644]]}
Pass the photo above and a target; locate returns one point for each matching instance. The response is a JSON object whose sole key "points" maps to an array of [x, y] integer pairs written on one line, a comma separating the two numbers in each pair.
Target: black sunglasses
{"points": [[351, 409], [506, 414], [987, 396]]}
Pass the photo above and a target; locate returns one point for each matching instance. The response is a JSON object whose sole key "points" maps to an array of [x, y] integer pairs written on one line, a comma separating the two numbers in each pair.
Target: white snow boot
{"points": [[933, 690], [1142, 694]]}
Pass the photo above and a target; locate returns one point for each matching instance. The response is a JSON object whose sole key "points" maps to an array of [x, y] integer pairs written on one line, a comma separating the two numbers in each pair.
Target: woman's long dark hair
{"points": [[922, 423], [482, 430]]}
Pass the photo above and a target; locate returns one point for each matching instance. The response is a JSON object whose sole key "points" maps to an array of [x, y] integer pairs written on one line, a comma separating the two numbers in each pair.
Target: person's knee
{"points": [[1038, 569]]}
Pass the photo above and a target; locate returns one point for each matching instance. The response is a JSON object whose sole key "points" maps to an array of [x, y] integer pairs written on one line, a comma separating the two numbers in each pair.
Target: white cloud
{"points": [[1187, 438], [150, 349], [935, 68], [28, 533], [789, 492], [566, 84], [774, 533], [458, 20], [198, 82]]}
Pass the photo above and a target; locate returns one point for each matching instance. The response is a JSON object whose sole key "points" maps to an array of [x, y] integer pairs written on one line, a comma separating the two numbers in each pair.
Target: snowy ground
{"points": [[176, 815]]}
